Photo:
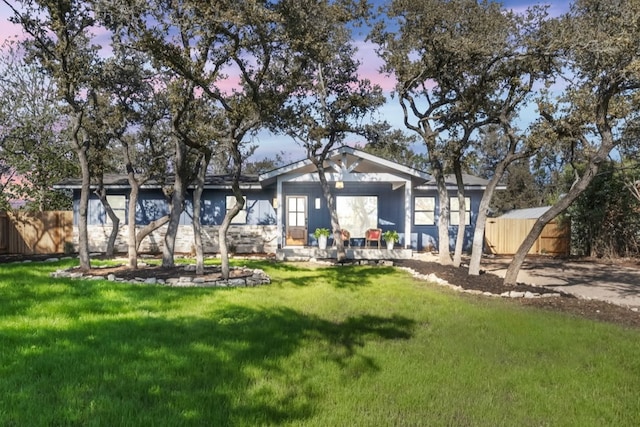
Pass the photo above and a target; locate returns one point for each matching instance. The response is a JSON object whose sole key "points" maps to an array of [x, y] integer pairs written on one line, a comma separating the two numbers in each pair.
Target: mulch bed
{"points": [[164, 273], [487, 282]]}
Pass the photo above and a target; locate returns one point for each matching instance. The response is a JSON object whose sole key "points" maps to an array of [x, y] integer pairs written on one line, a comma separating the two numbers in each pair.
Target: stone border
{"points": [[509, 294], [254, 277], [435, 279]]}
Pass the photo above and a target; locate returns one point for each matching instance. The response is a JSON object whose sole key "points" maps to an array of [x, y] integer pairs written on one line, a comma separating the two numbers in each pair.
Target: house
{"points": [[284, 206]]}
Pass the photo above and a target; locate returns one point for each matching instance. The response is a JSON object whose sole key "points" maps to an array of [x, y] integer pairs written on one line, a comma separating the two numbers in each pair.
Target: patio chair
{"points": [[346, 238], [372, 235]]}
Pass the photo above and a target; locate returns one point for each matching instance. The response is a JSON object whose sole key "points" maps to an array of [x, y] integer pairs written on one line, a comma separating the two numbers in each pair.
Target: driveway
{"points": [[619, 284]]}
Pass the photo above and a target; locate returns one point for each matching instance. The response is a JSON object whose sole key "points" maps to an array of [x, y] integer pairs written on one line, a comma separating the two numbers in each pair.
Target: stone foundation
{"points": [[242, 239]]}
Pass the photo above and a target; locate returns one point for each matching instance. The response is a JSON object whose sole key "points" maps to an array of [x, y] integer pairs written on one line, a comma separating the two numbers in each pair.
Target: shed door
{"points": [[297, 220]]}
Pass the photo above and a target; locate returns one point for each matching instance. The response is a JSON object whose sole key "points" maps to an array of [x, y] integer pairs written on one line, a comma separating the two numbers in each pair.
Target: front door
{"points": [[296, 221]]}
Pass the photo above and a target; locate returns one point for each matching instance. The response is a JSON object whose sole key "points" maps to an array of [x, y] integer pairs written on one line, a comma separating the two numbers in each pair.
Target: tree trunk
{"points": [[83, 208], [239, 205], [462, 214], [578, 188], [444, 255], [224, 228], [197, 205], [113, 235], [132, 244], [177, 202], [115, 221], [341, 253], [481, 220], [148, 229]]}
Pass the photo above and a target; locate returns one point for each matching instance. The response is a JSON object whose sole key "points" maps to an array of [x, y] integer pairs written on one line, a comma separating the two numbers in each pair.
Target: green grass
{"points": [[345, 346]]}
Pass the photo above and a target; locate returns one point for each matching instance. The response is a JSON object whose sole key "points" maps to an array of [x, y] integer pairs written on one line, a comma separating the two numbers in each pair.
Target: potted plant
{"points": [[322, 234], [391, 237]]}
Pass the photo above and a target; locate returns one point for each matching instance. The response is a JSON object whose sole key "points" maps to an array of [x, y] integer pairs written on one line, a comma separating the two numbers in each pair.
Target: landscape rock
{"points": [[248, 277]]}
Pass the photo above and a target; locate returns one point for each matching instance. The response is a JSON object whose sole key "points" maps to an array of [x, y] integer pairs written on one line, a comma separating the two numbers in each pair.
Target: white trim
{"points": [[453, 187], [154, 186], [279, 213], [349, 177], [408, 200], [344, 151]]}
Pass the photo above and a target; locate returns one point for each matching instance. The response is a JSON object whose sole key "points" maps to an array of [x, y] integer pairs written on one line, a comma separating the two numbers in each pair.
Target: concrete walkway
{"points": [[587, 279]]}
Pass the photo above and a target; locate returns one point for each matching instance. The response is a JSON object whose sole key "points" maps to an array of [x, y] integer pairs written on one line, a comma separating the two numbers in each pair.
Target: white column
{"points": [[279, 211], [408, 195]]}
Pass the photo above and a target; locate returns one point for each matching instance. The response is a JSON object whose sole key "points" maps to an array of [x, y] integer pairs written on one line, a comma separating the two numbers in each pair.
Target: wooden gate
{"points": [[35, 233], [503, 236]]}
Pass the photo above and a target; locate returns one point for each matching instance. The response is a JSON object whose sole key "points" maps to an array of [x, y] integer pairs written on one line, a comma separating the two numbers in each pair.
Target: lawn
{"points": [[320, 346]]}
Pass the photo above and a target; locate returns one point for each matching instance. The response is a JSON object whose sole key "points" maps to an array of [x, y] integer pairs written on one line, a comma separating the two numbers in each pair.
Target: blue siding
{"points": [[391, 215], [153, 205], [423, 236], [258, 206], [96, 214]]}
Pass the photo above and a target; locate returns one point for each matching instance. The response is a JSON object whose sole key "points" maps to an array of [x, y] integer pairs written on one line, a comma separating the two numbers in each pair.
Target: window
{"points": [[119, 207], [241, 218], [424, 210], [357, 214], [455, 211], [297, 211]]}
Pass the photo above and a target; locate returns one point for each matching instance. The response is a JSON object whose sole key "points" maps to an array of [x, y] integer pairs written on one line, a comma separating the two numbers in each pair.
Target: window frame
{"points": [[455, 212], [242, 216], [430, 202], [119, 208]]}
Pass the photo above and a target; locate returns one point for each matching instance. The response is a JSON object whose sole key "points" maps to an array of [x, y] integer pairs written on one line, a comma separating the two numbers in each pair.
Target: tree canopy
{"points": [[181, 88]]}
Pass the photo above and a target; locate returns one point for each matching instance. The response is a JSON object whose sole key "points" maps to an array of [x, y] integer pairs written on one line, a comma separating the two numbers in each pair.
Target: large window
{"points": [[241, 218], [357, 214], [454, 205], [424, 209], [119, 207]]}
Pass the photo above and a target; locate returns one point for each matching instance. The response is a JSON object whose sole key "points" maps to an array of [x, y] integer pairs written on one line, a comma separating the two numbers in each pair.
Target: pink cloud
{"points": [[370, 64], [9, 30]]}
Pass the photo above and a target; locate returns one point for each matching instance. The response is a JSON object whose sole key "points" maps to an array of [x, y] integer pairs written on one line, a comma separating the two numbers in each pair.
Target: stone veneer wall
{"points": [[242, 239]]}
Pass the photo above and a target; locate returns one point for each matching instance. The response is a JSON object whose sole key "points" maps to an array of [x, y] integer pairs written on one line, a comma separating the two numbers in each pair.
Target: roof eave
{"points": [[270, 176]]}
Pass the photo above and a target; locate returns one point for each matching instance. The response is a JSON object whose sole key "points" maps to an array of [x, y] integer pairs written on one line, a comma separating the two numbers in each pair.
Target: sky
{"points": [[268, 144]]}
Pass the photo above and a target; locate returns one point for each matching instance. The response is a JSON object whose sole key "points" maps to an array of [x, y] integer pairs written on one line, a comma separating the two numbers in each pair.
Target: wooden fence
{"points": [[504, 236], [35, 233]]}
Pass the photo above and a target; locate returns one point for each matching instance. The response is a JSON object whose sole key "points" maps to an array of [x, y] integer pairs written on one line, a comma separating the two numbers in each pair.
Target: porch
{"points": [[304, 253]]}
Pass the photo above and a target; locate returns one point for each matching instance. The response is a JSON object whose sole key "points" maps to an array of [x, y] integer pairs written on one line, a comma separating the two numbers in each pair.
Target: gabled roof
{"points": [[366, 163]]}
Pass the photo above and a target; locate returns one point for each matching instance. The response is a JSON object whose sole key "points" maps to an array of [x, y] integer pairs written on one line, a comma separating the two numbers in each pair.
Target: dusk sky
{"points": [[269, 144]]}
